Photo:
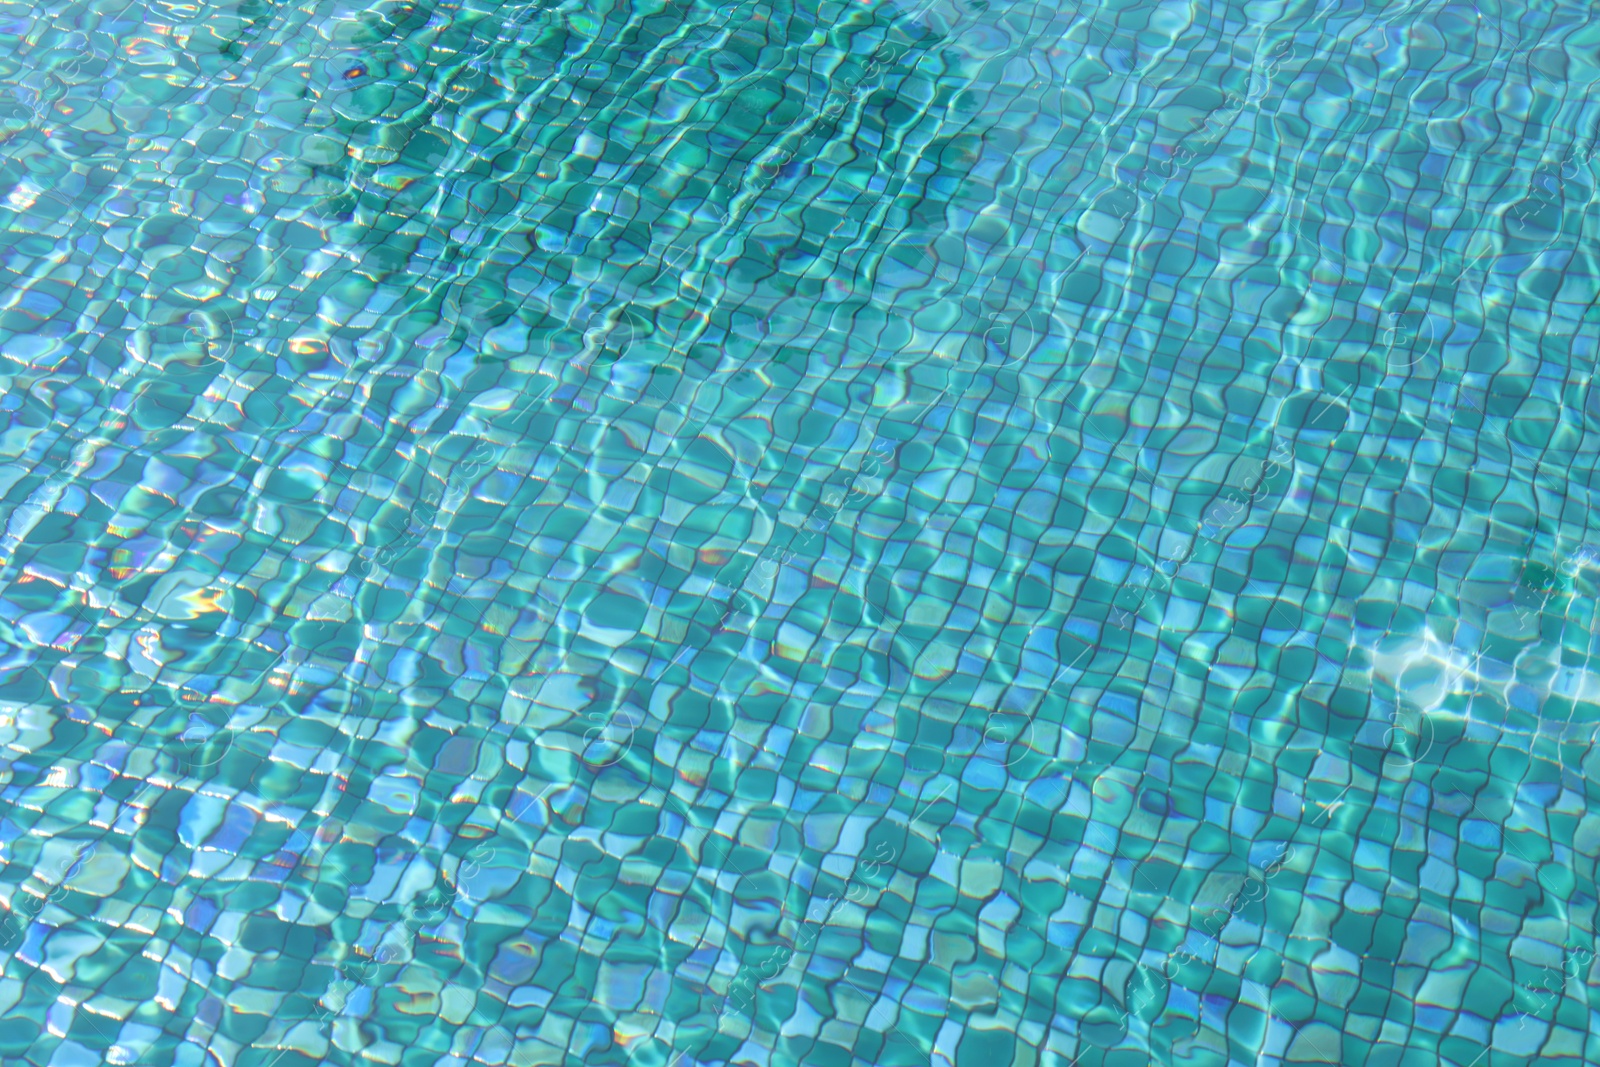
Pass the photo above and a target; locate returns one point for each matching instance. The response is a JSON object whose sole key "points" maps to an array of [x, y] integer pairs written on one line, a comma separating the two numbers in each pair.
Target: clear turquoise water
{"points": [[863, 533]]}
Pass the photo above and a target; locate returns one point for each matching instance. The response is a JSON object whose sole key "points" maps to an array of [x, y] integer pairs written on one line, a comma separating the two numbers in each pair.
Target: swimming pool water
{"points": [[673, 533]]}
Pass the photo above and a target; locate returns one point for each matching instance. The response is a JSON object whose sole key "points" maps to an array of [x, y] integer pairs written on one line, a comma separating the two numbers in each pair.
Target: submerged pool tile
{"points": [[505, 692]]}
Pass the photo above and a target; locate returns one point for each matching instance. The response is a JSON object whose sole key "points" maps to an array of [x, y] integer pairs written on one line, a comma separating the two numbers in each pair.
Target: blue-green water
{"points": [[878, 533]]}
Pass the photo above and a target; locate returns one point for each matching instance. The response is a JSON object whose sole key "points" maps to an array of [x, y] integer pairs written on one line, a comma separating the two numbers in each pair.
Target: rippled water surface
{"points": [[867, 533]]}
